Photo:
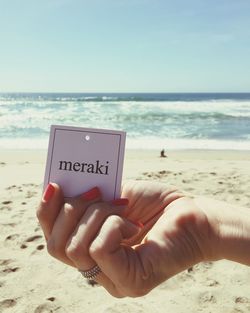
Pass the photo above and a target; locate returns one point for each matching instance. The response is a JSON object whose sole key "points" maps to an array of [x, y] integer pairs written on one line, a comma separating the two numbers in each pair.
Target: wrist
{"points": [[230, 226], [186, 236]]}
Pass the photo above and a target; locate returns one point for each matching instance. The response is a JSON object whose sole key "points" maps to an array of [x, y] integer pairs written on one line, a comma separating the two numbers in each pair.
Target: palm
{"points": [[147, 201], [169, 236]]}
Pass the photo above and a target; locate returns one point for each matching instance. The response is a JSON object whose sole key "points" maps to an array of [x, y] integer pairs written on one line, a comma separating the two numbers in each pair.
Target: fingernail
{"points": [[139, 224], [48, 194], [92, 194], [120, 201]]}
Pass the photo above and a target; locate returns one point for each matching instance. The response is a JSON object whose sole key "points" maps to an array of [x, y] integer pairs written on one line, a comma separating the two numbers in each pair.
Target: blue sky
{"points": [[125, 46]]}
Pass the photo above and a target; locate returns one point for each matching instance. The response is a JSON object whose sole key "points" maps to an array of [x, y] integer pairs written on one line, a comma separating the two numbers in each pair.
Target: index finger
{"points": [[49, 208]]}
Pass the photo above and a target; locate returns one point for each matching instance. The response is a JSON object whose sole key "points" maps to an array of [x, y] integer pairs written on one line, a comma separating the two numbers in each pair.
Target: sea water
{"points": [[152, 121]]}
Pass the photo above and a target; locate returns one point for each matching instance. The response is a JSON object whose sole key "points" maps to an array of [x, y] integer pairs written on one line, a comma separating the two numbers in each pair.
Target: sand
{"points": [[32, 281]]}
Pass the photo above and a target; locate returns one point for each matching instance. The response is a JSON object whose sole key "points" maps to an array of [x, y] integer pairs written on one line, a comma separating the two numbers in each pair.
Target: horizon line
{"points": [[126, 92]]}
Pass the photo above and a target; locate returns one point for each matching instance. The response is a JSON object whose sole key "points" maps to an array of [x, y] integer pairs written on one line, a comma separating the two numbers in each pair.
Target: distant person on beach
{"points": [[131, 245], [163, 155]]}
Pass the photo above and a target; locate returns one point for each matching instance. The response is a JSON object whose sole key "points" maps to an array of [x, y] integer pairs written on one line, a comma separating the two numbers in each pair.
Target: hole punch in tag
{"points": [[82, 158]]}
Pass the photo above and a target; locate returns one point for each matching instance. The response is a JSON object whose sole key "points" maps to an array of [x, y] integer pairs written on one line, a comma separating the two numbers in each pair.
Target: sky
{"points": [[125, 46]]}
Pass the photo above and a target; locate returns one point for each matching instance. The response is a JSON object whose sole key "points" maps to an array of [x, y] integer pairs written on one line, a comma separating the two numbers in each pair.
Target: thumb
{"points": [[109, 251]]}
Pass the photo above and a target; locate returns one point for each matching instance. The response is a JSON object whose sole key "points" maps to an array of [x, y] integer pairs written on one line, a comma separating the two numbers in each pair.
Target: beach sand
{"points": [[32, 281]]}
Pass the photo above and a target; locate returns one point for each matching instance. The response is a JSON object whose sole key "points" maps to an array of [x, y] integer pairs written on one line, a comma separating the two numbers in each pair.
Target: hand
{"points": [[176, 234]]}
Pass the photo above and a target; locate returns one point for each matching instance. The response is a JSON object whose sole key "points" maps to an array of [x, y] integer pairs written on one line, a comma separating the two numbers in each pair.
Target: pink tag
{"points": [[82, 158]]}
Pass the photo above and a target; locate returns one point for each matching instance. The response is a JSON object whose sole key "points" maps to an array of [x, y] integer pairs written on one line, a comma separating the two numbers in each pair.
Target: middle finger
{"points": [[77, 249], [68, 218]]}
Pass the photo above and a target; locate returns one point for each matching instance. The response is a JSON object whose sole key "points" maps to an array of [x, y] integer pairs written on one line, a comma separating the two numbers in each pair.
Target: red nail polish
{"points": [[48, 194], [121, 201], [139, 224], [92, 194]]}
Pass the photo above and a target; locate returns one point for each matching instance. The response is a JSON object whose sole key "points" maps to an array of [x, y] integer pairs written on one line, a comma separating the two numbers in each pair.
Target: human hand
{"points": [[133, 260]]}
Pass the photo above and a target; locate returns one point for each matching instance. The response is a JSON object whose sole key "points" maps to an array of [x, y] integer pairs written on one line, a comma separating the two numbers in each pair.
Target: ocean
{"points": [[152, 121]]}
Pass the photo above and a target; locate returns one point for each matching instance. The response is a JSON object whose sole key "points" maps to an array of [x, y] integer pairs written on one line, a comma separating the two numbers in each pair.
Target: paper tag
{"points": [[82, 158]]}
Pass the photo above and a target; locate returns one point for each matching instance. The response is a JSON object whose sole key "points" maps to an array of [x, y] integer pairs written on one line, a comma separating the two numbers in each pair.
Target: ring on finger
{"points": [[92, 273]]}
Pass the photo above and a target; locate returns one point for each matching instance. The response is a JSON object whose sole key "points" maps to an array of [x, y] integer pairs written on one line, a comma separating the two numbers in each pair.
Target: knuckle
{"points": [[75, 250], [55, 250], [52, 248], [113, 220], [97, 249], [41, 213], [68, 209], [100, 246], [92, 210]]}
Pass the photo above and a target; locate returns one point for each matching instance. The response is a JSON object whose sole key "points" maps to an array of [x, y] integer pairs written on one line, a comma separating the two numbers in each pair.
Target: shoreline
{"points": [[190, 170], [188, 150]]}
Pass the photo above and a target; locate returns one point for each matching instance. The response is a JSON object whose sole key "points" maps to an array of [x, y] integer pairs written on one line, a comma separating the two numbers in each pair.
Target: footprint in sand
{"points": [[30, 194], [211, 282], [6, 202], [204, 266], [7, 303], [14, 188], [11, 225], [206, 298], [186, 181], [12, 237], [5, 208], [40, 247], [48, 308], [6, 205], [242, 300], [12, 240], [4, 262], [213, 173], [10, 270], [7, 269], [52, 299], [30, 185], [33, 239], [11, 187], [157, 175], [30, 190], [23, 246]]}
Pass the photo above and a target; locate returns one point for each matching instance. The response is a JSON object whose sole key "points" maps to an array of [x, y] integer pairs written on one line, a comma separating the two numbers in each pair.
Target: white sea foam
{"points": [[180, 124]]}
